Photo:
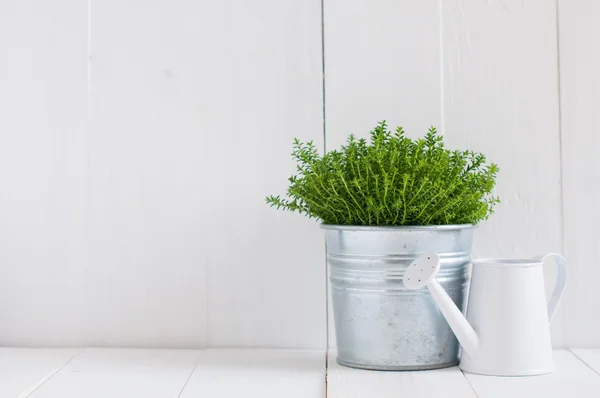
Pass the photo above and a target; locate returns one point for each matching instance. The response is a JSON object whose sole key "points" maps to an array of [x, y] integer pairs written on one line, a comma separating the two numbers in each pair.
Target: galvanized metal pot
{"points": [[379, 323]]}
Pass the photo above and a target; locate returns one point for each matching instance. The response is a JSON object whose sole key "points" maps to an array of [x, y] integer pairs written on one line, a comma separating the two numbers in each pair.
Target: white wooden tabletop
{"points": [[133, 373]]}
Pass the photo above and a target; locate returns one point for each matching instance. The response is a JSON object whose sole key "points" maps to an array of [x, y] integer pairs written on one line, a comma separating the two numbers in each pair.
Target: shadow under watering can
{"points": [[506, 329]]}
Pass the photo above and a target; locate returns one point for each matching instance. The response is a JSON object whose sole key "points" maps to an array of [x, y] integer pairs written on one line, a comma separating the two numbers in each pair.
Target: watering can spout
{"points": [[458, 323], [421, 273]]}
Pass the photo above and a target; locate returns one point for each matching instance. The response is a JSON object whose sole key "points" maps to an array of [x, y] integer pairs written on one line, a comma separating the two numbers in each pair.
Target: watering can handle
{"points": [[561, 281]]}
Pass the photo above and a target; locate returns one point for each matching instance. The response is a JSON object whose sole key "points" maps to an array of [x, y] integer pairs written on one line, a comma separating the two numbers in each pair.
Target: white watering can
{"points": [[506, 331]]}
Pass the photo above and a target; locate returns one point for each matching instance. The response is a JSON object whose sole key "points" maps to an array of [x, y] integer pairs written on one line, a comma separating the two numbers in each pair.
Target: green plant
{"points": [[392, 180]]}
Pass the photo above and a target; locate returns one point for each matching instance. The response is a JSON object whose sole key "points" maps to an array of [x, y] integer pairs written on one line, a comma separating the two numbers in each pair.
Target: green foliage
{"points": [[392, 180]]}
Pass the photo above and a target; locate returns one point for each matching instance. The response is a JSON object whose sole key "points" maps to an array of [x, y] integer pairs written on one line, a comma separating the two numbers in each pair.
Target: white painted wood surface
{"points": [[138, 140], [571, 378], [591, 357], [501, 98], [382, 62], [22, 370], [116, 373], [137, 145], [100, 373], [266, 285], [343, 382], [125, 373], [580, 103], [43, 171], [258, 373], [194, 111], [148, 158]]}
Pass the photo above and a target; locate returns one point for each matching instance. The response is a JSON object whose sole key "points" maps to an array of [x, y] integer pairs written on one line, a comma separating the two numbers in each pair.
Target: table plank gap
{"points": [[590, 357], [187, 381], [33, 388], [470, 385]]}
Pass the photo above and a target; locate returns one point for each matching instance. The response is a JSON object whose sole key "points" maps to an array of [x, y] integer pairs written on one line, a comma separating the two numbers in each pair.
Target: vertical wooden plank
{"points": [[43, 171], [266, 284], [195, 106], [580, 97], [150, 172], [258, 373], [382, 62], [501, 98]]}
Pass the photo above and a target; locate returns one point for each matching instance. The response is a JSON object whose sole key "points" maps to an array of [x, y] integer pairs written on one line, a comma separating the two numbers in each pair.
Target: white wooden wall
{"points": [[579, 27], [138, 140]]}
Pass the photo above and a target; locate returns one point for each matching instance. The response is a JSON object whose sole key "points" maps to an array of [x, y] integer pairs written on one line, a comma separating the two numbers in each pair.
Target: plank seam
{"points": [[207, 286], [323, 72], [563, 311], [324, 151], [583, 361], [28, 392], [188, 379], [469, 382], [442, 80], [88, 133]]}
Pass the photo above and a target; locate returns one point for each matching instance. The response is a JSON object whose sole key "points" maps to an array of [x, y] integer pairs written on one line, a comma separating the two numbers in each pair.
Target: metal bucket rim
{"points": [[447, 227]]}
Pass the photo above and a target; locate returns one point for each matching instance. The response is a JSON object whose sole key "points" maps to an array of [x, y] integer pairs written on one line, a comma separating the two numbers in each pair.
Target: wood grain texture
{"points": [[22, 370], [43, 171], [571, 378], [138, 141], [194, 110], [146, 282], [501, 98], [345, 382], [101, 373], [258, 373], [382, 62], [266, 284], [580, 98]]}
